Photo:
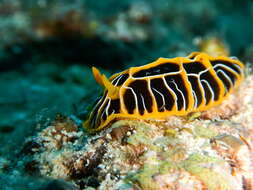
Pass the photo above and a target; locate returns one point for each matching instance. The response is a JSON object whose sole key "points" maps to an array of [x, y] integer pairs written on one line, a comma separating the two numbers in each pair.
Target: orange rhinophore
{"points": [[165, 87]]}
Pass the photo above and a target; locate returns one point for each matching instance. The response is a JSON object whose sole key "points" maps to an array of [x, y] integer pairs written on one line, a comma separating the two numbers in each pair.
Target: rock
{"points": [[175, 153]]}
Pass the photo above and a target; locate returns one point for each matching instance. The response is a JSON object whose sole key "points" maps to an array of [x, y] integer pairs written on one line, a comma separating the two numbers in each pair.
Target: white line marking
{"points": [[238, 67], [163, 106], [172, 91], [94, 117], [118, 80], [135, 97], [195, 99], [227, 68], [227, 77], [99, 110], [155, 76], [182, 94], [107, 107], [144, 106], [151, 93], [210, 88]]}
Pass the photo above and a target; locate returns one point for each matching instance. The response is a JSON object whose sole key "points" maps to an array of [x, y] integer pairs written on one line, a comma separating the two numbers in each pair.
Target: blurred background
{"points": [[47, 48]]}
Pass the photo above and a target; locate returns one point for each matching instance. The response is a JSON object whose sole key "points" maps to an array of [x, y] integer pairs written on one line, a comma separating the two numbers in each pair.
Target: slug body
{"points": [[165, 87]]}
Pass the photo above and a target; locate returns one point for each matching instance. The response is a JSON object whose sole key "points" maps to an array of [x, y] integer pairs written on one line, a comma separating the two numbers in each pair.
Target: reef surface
{"points": [[209, 150], [46, 50]]}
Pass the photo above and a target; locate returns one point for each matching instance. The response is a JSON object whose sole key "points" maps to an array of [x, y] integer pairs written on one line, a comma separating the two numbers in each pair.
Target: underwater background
{"points": [[47, 48]]}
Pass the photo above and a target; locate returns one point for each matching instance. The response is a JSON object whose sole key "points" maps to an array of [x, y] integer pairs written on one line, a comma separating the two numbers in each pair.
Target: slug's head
{"points": [[102, 80], [105, 106]]}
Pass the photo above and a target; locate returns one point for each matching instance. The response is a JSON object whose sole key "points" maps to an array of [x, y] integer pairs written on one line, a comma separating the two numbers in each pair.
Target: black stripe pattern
{"points": [[177, 87], [157, 70], [119, 80], [227, 72], [105, 106]]}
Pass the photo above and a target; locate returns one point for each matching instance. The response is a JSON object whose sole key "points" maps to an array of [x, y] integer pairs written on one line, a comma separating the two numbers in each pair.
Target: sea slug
{"points": [[165, 87]]}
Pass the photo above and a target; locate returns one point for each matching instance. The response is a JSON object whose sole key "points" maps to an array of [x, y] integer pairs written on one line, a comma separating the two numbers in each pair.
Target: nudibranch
{"points": [[165, 87]]}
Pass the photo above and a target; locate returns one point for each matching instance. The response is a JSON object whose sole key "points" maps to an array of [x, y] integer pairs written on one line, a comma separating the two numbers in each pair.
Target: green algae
{"points": [[89, 188], [230, 141], [165, 155], [141, 136], [193, 116], [170, 133], [212, 180], [145, 177], [196, 165], [204, 132], [126, 186]]}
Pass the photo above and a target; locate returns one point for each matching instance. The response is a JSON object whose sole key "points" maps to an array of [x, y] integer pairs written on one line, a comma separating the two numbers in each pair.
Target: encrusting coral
{"points": [[210, 150]]}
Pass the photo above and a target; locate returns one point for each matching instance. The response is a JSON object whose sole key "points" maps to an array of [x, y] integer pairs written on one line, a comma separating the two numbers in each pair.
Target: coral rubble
{"points": [[211, 150]]}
